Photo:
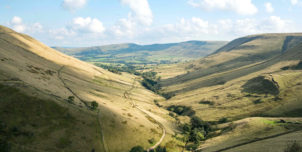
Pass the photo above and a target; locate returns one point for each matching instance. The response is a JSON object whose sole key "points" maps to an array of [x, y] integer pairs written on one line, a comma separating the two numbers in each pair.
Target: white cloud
{"points": [[125, 27], [17, 25], [242, 7], [61, 33], [242, 27], [90, 25], [269, 7], [73, 4], [141, 10], [16, 20], [294, 2]]}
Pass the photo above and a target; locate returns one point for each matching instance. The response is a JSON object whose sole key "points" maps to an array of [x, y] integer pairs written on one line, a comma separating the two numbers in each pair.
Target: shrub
{"points": [[168, 95], [157, 104], [206, 102], [137, 149], [182, 110], [257, 101], [159, 149], [223, 120], [70, 99], [151, 141], [94, 105]]}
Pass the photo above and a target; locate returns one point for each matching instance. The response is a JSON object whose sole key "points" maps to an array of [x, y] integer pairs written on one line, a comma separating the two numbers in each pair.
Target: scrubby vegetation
{"points": [[195, 132], [70, 99], [119, 69], [261, 85], [182, 110], [94, 105], [137, 149], [159, 149], [151, 82], [206, 102]]}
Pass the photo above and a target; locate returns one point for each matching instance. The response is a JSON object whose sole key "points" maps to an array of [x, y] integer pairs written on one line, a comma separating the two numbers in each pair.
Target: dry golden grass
{"points": [[30, 63]]}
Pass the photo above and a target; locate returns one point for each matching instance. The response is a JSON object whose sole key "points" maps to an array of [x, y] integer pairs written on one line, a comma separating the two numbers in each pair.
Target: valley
{"points": [[242, 95]]}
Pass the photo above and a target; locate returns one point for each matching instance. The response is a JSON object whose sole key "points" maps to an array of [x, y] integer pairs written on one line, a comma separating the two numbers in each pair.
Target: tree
{"points": [[94, 105], [137, 149]]}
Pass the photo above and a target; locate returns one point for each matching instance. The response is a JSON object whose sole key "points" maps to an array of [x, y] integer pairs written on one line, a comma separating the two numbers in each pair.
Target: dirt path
{"points": [[127, 94], [65, 85], [105, 146], [252, 141]]}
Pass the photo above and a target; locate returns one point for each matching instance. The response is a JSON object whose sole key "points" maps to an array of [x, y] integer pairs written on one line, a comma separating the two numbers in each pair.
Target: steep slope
{"points": [[240, 91], [48, 99], [270, 87], [241, 52], [144, 54]]}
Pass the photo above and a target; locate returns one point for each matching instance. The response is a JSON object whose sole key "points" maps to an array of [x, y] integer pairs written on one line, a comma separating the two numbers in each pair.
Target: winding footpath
{"points": [[105, 146], [127, 94]]}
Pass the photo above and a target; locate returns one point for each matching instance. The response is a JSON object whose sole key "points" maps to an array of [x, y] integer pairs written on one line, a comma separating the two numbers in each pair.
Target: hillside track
{"points": [[105, 146], [127, 95]]}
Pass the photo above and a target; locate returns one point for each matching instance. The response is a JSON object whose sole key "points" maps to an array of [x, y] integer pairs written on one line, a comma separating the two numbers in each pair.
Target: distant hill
{"points": [[144, 54], [239, 52]]}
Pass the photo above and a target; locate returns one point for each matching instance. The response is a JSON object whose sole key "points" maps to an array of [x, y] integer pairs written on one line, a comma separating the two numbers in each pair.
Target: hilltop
{"points": [[144, 54]]}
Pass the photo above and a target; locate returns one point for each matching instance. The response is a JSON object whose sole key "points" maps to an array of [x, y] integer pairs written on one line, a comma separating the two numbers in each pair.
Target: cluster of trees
{"points": [[141, 149], [119, 69], [151, 82], [182, 110], [196, 132]]}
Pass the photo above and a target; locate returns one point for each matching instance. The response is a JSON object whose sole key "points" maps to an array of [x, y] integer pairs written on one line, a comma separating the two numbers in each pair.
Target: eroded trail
{"points": [[105, 146], [127, 95]]}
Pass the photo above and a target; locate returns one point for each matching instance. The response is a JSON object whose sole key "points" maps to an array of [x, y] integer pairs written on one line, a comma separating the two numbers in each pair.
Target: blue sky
{"points": [[98, 22]]}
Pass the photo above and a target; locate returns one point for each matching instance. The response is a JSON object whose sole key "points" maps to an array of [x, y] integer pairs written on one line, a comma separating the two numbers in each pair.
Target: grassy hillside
{"points": [[243, 52], [58, 91], [235, 84], [247, 93], [144, 54]]}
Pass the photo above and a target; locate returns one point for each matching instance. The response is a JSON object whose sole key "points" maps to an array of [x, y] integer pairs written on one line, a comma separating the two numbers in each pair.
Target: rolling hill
{"points": [[245, 96], [246, 83], [53, 102], [144, 54]]}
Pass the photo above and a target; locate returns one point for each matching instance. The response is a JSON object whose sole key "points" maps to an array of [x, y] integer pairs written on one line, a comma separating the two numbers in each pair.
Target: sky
{"points": [[81, 23]]}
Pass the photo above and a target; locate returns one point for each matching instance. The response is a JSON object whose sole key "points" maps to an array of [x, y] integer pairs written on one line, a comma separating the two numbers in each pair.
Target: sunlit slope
{"points": [[244, 52], [255, 134], [42, 73], [270, 88]]}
